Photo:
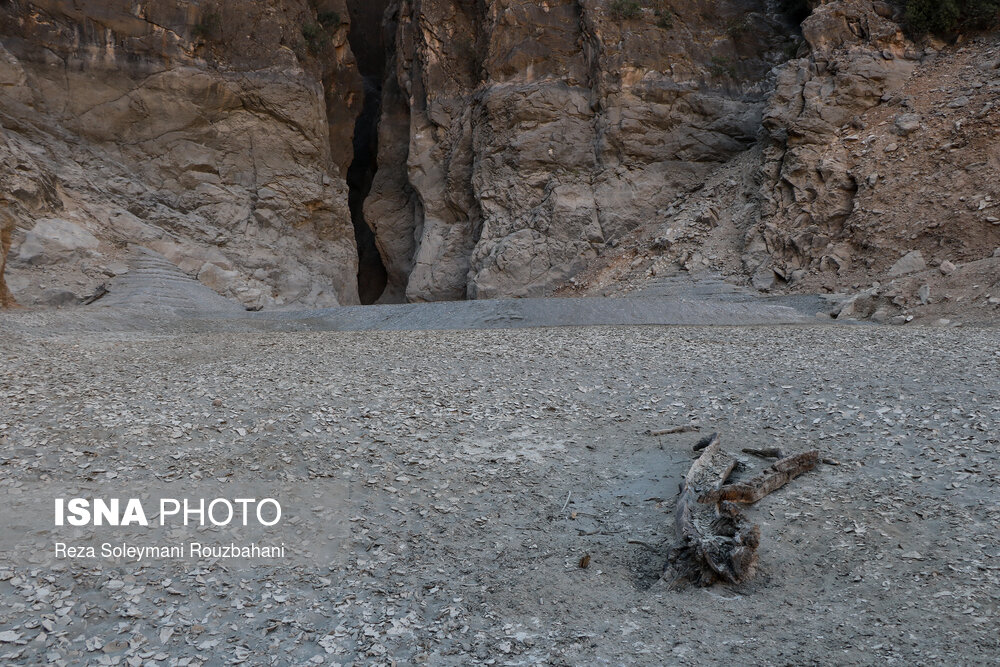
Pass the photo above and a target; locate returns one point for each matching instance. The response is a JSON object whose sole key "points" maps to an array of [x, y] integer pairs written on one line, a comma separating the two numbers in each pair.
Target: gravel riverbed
{"points": [[479, 467]]}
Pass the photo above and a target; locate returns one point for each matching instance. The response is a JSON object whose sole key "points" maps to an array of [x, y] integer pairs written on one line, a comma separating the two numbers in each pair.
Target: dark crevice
{"points": [[367, 44], [371, 270]]}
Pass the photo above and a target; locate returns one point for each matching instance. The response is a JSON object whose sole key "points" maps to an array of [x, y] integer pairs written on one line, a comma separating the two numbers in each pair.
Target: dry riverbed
{"points": [[481, 466]]}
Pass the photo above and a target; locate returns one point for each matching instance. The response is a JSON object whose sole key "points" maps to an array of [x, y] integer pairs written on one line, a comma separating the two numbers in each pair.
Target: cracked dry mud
{"points": [[460, 450]]}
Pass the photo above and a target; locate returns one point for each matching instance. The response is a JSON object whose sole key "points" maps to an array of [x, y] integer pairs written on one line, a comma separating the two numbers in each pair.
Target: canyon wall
{"points": [[518, 138], [875, 172], [216, 133], [323, 152]]}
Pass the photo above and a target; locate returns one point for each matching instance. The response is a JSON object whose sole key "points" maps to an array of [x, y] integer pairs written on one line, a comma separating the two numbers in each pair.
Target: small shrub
{"points": [[943, 16], [315, 36], [312, 31], [664, 19], [924, 16], [207, 27], [625, 9], [328, 19], [982, 14]]}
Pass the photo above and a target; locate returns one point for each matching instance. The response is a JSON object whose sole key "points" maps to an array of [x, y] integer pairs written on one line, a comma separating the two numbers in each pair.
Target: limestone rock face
{"points": [[514, 148], [911, 262], [200, 130], [519, 137], [857, 57], [52, 241]]}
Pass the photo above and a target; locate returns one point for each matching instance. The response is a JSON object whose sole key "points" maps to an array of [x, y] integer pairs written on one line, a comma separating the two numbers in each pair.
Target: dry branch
{"points": [[673, 429], [772, 479]]}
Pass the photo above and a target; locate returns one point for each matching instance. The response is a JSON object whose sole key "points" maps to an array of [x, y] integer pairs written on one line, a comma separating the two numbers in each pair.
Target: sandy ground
{"points": [[460, 449]]}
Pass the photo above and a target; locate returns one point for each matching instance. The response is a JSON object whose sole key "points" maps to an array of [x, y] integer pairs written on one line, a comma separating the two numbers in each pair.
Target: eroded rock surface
{"points": [[536, 132], [217, 134], [506, 148], [873, 147], [857, 57]]}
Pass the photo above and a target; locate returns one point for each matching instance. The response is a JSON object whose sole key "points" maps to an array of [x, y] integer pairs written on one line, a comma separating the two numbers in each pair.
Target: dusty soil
{"points": [[483, 465]]}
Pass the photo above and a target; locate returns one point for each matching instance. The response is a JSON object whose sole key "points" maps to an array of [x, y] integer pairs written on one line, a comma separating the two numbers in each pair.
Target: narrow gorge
{"points": [[366, 39], [336, 152]]}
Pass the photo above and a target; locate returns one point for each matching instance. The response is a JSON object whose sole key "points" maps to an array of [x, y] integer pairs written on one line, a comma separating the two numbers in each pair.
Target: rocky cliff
{"points": [[337, 152], [216, 133], [518, 137], [874, 174]]}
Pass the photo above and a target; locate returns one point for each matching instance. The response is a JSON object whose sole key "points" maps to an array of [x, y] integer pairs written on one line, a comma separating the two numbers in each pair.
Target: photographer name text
{"points": [[196, 550]]}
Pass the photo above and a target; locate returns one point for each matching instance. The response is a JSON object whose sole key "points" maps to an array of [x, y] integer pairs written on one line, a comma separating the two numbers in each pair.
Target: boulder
{"points": [[53, 241], [906, 124], [764, 279], [881, 315], [217, 278], [924, 294], [911, 262]]}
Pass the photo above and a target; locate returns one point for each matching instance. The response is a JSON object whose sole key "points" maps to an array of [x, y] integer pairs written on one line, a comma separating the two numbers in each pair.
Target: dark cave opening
{"points": [[367, 43]]}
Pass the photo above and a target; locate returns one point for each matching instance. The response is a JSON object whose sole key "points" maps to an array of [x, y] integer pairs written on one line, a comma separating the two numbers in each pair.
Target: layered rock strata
{"points": [[218, 134]]}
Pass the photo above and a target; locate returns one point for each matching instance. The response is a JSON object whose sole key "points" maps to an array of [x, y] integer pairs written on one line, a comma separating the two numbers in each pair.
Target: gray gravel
{"points": [[154, 294], [460, 450]]}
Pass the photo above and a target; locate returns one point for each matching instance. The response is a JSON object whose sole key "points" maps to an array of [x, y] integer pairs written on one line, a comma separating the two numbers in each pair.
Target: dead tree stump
{"points": [[718, 543]]}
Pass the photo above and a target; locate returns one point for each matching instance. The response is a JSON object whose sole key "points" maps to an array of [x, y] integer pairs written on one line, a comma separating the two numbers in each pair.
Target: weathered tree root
{"points": [[717, 543], [766, 453], [772, 479]]}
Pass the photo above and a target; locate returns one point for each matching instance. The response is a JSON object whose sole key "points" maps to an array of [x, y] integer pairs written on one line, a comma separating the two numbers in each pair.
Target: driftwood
{"points": [[101, 290], [766, 453], [673, 429], [717, 543], [772, 479], [775, 453]]}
